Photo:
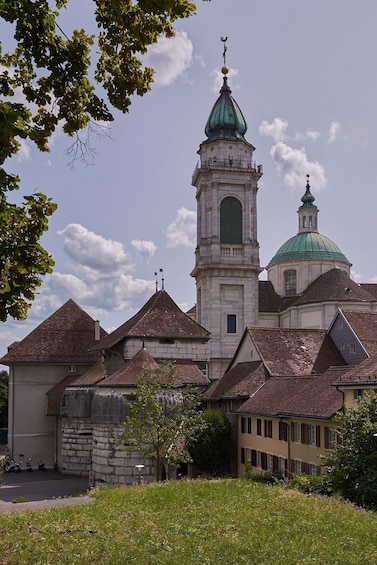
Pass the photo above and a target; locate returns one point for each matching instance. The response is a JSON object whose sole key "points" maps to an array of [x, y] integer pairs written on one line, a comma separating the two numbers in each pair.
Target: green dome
{"points": [[226, 120], [308, 245]]}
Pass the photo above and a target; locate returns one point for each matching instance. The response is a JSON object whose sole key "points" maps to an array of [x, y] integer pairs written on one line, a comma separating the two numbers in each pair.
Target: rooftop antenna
{"points": [[162, 279], [224, 40], [155, 274]]}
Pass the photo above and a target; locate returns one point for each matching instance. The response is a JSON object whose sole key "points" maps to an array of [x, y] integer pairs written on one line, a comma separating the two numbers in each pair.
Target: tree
{"points": [[163, 418], [51, 73], [352, 463], [213, 446]]}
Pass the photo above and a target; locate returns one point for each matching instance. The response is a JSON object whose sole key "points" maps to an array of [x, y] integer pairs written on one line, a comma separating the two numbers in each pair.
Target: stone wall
{"points": [[112, 465], [77, 442]]}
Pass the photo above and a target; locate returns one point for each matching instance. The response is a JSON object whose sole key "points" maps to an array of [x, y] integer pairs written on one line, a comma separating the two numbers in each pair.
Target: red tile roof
{"points": [[363, 374], [364, 325], [65, 337], [186, 371], [305, 396], [288, 352], [240, 381], [160, 317]]}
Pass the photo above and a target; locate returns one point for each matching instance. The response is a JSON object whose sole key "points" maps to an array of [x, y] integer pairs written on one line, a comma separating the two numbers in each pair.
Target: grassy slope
{"points": [[196, 522]]}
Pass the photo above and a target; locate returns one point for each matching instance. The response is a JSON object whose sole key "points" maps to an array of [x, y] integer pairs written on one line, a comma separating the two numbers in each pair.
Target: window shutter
{"points": [[327, 437], [293, 431], [318, 436], [264, 460], [253, 457], [242, 455]]}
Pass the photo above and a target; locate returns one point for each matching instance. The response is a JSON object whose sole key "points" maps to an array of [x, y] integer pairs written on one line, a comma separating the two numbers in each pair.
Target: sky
{"points": [[304, 75]]}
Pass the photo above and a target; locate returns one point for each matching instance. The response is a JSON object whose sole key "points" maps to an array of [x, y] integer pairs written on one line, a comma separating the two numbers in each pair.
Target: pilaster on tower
{"points": [[227, 253]]}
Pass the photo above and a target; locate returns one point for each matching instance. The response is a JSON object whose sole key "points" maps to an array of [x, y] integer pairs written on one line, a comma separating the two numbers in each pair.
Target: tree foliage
{"points": [[163, 418], [3, 404], [352, 464], [51, 73], [213, 446]]}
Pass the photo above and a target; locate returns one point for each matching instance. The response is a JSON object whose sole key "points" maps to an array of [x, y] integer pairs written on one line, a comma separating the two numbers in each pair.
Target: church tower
{"points": [[227, 253]]}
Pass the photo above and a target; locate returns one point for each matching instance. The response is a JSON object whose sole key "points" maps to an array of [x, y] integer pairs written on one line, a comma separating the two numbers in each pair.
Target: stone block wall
{"points": [[113, 466], [77, 442]]}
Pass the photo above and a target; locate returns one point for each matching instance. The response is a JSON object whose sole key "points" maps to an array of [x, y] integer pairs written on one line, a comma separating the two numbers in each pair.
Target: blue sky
{"points": [[304, 75]]}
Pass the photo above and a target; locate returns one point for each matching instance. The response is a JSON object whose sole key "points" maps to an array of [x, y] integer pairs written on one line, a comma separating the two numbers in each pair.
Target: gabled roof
{"points": [[160, 318], [95, 374], [186, 371], [54, 395], [65, 337], [334, 286], [363, 374], [305, 396], [364, 325], [289, 352], [240, 381]]}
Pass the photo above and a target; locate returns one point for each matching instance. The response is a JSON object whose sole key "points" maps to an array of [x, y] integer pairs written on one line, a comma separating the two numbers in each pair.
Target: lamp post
{"points": [[139, 468]]}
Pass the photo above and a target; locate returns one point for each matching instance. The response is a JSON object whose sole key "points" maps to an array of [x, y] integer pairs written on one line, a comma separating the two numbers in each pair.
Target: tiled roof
{"points": [[54, 395], [160, 317], [289, 352], [305, 396], [95, 374], [65, 337], [240, 381], [363, 374], [269, 300], [371, 288], [364, 325], [334, 286], [186, 371]]}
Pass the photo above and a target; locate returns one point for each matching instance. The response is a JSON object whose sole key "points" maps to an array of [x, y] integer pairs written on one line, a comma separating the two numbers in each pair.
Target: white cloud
{"points": [[90, 250], [182, 231], [24, 152], [308, 134], [294, 165], [170, 58], [275, 129], [144, 249], [334, 132]]}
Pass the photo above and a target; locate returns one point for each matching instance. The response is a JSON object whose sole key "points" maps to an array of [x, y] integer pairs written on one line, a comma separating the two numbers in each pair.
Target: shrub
{"points": [[312, 484]]}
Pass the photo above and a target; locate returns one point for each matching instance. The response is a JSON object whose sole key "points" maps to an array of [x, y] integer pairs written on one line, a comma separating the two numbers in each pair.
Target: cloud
{"points": [[24, 151], [90, 250], [294, 165], [144, 249], [275, 129], [308, 134], [334, 132], [182, 231], [170, 58]]}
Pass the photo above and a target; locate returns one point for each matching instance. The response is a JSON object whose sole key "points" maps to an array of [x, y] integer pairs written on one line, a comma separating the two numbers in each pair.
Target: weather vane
{"points": [[224, 40]]}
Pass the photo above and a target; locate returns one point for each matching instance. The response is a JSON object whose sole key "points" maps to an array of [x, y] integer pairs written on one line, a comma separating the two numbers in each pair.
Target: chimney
{"points": [[96, 330]]}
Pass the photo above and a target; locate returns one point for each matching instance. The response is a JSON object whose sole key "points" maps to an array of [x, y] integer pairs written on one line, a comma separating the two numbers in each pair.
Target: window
{"points": [[259, 427], [231, 324], [270, 463], [296, 432], [282, 465], [283, 431], [304, 221], [231, 221], [259, 459], [268, 428], [313, 469], [314, 437], [358, 393], [72, 369], [290, 282], [297, 466], [243, 425], [353, 347]]}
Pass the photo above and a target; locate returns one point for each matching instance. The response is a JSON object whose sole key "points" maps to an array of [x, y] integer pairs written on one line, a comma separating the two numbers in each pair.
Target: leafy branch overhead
{"points": [[51, 73]]}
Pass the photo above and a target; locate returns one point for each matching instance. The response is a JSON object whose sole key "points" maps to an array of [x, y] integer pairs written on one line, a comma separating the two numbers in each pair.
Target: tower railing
{"points": [[230, 163]]}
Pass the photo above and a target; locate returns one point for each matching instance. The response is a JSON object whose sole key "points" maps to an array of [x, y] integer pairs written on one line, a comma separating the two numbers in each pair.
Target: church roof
{"points": [[226, 120], [160, 318], [64, 337], [308, 246]]}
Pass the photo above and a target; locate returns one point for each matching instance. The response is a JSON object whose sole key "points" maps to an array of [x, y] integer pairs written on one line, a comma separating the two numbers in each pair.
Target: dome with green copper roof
{"points": [[226, 121], [307, 246], [308, 243]]}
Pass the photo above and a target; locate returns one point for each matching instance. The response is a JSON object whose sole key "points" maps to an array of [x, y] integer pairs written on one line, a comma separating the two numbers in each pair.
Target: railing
{"points": [[214, 163], [231, 250]]}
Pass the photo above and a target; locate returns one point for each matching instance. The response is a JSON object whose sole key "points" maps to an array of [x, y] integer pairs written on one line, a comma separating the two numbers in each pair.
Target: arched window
{"points": [[290, 282], [230, 220], [304, 221]]}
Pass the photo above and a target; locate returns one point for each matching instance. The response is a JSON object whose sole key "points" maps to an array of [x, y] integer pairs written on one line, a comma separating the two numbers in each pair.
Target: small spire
{"points": [[308, 198]]}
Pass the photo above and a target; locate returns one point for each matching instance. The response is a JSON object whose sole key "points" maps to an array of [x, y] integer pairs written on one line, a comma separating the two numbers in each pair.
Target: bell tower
{"points": [[227, 253]]}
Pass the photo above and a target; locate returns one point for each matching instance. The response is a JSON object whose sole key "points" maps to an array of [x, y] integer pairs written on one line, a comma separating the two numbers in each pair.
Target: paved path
{"points": [[42, 490]]}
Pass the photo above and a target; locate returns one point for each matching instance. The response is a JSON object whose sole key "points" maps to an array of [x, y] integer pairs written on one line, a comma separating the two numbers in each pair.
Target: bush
{"points": [[312, 484], [268, 478]]}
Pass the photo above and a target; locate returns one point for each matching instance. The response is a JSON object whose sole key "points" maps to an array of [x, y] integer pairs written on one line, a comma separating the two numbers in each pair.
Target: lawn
{"points": [[224, 522]]}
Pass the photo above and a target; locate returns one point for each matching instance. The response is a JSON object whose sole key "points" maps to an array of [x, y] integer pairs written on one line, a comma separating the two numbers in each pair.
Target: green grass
{"points": [[225, 522]]}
